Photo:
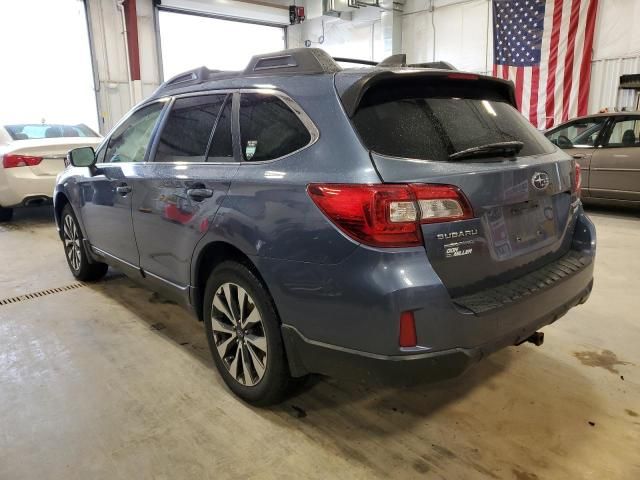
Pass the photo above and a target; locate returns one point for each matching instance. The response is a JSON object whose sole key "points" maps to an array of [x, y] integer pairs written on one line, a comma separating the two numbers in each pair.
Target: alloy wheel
{"points": [[71, 239], [239, 334]]}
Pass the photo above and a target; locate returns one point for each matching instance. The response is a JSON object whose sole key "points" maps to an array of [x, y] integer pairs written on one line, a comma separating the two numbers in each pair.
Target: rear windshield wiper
{"points": [[504, 149]]}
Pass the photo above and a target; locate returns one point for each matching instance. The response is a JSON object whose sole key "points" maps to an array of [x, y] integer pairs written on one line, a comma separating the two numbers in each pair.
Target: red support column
{"points": [[131, 19]]}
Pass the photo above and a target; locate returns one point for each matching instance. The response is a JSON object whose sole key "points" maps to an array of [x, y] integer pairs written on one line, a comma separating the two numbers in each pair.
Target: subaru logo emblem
{"points": [[540, 180]]}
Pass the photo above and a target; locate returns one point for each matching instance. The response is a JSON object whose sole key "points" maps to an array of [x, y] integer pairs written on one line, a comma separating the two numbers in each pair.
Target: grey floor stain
{"points": [[605, 359]]}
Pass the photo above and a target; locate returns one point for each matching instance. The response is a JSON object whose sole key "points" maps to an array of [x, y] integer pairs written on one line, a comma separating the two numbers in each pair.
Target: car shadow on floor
{"points": [[29, 217], [178, 325], [517, 389]]}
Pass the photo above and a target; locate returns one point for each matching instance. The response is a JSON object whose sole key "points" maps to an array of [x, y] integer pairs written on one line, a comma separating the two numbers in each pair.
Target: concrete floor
{"points": [[109, 381]]}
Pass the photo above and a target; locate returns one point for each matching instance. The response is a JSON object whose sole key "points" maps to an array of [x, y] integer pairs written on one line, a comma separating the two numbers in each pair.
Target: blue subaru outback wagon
{"points": [[392, 222]]}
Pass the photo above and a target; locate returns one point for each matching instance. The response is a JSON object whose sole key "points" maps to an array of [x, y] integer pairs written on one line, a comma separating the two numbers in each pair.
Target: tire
{"points": [[74, 250], [251, 360], [6, 214]]}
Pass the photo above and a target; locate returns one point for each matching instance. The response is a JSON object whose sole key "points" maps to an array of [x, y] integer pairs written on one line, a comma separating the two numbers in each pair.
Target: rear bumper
{"points": [[307, 356], [343, 319], [21, 187]]}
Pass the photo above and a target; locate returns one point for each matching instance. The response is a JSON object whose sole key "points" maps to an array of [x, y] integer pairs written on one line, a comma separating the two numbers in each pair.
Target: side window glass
{"points": [[129, 142], [581, 133], [221, 149], [186, 133], [625, 133], [269, 129]]}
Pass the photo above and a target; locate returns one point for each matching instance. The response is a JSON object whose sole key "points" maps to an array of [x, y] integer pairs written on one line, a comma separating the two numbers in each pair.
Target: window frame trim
{"points": [[598, 142], [611, 126], [311, 127], [168, 101], [165, 101], [162, 123]]}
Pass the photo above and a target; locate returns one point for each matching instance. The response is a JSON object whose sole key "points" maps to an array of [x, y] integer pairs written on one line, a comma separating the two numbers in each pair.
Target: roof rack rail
{"points": [[196, 75], [397, 60], [295, 60], [439, 64], [355, 60]]}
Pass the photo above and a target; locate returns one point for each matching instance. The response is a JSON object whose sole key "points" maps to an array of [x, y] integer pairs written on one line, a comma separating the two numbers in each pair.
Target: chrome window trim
{"points": [[292, 104], [127, 116], [297, 110]]}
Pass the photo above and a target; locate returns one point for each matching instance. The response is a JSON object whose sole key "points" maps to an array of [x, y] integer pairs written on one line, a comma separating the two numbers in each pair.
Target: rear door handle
{"points": [[578, 156], [123, 189], [199, 193]]}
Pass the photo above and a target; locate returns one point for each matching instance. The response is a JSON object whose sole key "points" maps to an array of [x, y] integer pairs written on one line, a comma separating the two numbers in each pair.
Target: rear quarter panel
{"points": [[267, 211]]}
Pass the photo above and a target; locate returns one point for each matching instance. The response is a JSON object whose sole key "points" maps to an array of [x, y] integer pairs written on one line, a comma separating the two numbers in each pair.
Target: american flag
{"points": [[544, 47]]}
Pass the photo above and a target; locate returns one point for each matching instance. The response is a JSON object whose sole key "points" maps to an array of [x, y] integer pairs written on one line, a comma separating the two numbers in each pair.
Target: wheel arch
{"points": [[211, 255], [59, 202]]}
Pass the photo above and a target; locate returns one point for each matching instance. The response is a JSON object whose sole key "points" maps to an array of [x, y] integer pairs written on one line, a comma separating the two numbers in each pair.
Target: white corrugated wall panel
{"points": [[605, 79]]}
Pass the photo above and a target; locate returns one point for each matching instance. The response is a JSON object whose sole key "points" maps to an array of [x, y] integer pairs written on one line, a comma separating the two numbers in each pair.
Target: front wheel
{"points": [[244, 335], [74, 251]]}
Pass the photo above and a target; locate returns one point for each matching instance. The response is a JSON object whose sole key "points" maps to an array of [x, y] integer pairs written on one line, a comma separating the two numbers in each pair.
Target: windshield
{"points": [[435, 128], [32, 131]]}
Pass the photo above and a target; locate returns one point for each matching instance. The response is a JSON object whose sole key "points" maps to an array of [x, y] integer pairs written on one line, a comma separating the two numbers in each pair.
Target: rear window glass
{"points": [[269, 129], [33, 131], [431, 128]]}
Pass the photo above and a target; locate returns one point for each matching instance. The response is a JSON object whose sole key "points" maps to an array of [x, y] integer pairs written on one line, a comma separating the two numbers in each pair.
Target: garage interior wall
{"points": [[115, 93], [460, 32], [457, 31]]}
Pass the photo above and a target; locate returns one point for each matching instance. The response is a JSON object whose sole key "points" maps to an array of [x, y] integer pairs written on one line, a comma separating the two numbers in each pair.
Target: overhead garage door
{"points": [[50, 78], [193, 40]]}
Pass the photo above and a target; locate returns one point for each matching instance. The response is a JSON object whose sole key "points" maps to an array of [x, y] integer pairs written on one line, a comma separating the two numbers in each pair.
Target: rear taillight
{"points": [[11, 160], [577, 180], [389, 215]]}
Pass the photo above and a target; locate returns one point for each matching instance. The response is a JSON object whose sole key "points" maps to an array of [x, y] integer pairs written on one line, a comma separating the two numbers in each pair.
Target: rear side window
{"points": [[269, 129], [186, 134], [432, 128], [625, 133]]}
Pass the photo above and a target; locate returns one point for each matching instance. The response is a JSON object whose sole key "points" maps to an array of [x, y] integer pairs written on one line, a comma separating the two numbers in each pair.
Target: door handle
{"points": [[123, 189], [578, 156], [199, 193]]}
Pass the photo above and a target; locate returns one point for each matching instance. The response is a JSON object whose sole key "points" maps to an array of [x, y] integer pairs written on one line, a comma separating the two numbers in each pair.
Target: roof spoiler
{"points": [[389, 81]]}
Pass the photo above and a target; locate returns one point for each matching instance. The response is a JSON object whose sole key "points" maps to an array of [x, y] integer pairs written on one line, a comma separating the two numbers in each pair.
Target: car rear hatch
{"points": [[440, 127]]}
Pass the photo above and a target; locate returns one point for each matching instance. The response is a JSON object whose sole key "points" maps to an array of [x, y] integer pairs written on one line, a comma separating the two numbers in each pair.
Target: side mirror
{"points": [[82, 157]]}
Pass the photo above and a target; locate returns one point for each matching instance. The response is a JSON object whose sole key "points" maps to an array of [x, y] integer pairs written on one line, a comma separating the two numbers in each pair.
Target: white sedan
{"points": [[31, 155]]}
